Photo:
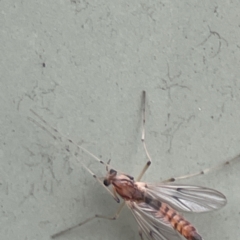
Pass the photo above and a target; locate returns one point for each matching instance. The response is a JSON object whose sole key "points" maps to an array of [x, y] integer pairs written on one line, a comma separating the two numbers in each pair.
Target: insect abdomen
{"points": [[181, 225], [184, 227]]}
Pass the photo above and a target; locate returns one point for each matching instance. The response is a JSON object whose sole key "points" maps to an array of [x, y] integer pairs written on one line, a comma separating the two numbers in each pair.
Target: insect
{"points": [[155, 207]]}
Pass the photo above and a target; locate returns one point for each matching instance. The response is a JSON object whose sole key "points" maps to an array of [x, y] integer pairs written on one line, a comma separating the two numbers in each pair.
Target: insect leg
{"points": [[140, 233], [143, 138], [114, 217], [203, 172]]}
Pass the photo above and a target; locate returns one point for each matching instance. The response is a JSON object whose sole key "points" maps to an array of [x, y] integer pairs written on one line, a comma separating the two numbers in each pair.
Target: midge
{"points": [[155, 207]]}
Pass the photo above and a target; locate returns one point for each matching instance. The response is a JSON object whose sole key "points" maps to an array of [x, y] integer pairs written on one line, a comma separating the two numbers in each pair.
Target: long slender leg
{"points": [[114, 217], [143, 138], [100, 161], [173, 179], [203, 172], [140, 233]]}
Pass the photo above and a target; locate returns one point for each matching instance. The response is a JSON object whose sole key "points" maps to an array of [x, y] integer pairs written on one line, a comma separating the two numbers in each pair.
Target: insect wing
{"points": [[187, 198], [152, 223]]}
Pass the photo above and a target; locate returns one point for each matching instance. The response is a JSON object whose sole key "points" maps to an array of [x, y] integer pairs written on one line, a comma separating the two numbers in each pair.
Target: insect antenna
{"points": [[76, 145], [65, 137]]}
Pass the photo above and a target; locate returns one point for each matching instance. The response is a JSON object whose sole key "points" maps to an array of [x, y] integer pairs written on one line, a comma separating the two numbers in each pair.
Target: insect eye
{"points": [[106, 182], [112, 172]]}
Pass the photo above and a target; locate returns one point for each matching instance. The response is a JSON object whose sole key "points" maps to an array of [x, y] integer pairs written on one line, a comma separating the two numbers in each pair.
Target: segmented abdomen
{"points": [[181, 225]]}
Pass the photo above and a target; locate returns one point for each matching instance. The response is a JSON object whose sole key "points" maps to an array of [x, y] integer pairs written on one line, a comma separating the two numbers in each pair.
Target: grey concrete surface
{"points": [[82, 65]]}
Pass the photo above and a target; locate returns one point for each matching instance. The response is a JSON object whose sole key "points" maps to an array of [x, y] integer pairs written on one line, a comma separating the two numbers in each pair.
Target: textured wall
{"points": [[82, 65]]}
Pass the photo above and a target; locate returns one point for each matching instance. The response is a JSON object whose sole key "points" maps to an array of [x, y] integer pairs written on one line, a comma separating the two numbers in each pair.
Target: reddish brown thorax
{"points": [[124, 185]]}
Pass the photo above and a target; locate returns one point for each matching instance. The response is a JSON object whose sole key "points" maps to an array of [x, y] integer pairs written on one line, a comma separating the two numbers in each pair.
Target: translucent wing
{"points": [[187, 198], [152, 223]]}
